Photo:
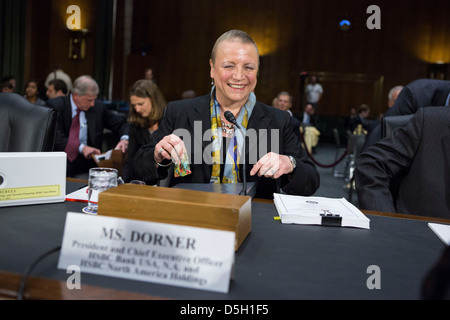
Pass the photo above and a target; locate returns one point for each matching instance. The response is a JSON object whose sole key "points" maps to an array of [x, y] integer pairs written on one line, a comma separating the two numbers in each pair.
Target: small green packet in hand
{"points": [[182, 167]]}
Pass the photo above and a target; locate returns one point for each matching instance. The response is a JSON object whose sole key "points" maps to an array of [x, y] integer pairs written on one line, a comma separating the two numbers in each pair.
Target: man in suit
{"points": [[418, 94], [93, 118], [419, 154], [362, 119], [284, 102], [309, 116], [56, 88]]}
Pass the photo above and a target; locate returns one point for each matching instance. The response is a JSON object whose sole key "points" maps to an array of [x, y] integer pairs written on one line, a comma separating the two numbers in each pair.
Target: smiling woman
{"points": [[283, 163], [234, 67]]}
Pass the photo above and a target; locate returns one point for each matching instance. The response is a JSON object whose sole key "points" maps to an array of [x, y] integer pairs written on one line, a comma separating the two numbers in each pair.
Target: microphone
{"points": [[230, 117]]}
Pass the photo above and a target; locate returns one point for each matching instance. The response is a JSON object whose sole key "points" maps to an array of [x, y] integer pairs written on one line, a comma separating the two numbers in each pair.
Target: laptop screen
{"points": [[32, 177]]}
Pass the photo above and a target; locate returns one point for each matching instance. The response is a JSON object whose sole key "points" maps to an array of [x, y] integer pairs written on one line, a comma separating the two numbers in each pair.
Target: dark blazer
{"points": [[193, 116], [98, 118], [312, 119], [421, 153], [418, 94], [138, 137], [296, 124], [355, 121]]}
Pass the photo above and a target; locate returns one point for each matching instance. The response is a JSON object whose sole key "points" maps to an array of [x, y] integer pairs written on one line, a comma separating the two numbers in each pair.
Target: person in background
{"points": [[32, 93], [216, 145], [56, 88], [187, 94], [314, 92], [352, 115], [58, 73], [309, 117], [81, 123], [8, 84], [362, 119], [408, 171], [284, 102], [417, 94], [393, 94], [5, 86], [310, 132], [148, 74], [147, 105], [274, 102], [392, 97]]}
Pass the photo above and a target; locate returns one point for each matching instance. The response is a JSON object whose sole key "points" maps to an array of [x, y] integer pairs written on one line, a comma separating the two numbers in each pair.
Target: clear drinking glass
{"points": [[100, 179], [142, 183]]}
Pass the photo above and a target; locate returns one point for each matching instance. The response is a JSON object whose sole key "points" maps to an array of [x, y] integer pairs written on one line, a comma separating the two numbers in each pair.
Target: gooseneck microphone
{"points": [[230, 117]]}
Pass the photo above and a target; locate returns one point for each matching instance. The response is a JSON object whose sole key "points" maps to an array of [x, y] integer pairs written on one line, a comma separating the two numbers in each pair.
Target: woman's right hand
{"points": [[170, 147]]}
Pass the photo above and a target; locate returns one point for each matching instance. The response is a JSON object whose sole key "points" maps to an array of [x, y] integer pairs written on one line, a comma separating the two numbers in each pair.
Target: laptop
{"points": [[32, 178]]}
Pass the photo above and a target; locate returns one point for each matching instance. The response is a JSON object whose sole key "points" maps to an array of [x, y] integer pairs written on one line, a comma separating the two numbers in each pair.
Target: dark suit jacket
{"points": [[312, 119], [418, 94], [355, 121], [296, 124], [98, 118], [421, 153], [138, 137], [194, 117]]}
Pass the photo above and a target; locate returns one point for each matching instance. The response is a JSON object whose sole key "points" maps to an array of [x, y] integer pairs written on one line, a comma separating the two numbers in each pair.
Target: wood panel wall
{"points": [[292, 35]]}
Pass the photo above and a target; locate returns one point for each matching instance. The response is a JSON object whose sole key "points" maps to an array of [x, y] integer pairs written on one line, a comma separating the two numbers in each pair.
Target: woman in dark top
{"points": [[146, 109], [206, 145], [32, 93]]}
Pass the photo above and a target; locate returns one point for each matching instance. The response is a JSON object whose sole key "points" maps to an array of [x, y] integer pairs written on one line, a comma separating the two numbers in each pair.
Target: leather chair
{"points": [[388, 125], [392, 122], [25, 127]]}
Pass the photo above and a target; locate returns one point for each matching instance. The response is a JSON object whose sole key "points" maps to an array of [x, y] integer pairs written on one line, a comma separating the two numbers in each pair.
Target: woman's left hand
{"points": [[272, 165], [122, 145]]}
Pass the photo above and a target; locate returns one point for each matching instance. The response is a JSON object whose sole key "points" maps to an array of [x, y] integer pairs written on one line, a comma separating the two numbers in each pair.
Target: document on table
{"points": [[442, 231], [103, 156], [319, 211], [80, 195]]}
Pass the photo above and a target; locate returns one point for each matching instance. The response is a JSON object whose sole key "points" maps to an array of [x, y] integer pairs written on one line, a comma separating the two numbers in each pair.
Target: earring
{"points": [[212, 81]]}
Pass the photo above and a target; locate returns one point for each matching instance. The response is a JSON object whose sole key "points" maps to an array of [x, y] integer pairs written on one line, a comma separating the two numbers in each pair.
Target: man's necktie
{"points": [[74, 138]]}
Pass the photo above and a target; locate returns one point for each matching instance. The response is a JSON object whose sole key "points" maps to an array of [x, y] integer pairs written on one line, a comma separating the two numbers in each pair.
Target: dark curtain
{"points": [[104, 45], [12, 39]]}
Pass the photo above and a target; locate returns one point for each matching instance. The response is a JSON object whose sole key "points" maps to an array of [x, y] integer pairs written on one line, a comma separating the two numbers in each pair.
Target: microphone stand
{"points": [[230, 117]]}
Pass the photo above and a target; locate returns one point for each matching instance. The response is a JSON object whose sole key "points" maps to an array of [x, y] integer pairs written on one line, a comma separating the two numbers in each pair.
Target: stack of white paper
{"points": [[80, 195], [442, 231], [319, 211]]}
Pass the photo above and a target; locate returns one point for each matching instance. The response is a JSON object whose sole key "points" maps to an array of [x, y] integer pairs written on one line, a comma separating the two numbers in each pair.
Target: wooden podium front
{"points": [[179, 206]]}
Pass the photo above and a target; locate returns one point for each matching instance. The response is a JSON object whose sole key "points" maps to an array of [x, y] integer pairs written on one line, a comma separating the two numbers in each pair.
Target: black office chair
{"points": [[390, 123], [355, 144], [25, 127], [339, 151]]}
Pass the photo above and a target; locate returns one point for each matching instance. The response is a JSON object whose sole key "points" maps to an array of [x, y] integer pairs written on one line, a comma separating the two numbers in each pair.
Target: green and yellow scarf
{"points": [[234, 151]]}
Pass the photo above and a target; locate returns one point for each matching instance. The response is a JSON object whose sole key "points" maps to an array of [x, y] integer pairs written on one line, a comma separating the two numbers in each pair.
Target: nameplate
{"points": [[169, 254]]}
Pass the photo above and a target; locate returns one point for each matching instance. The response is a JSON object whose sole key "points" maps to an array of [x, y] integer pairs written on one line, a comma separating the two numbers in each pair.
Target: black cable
{"points": [[20, 292]]}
